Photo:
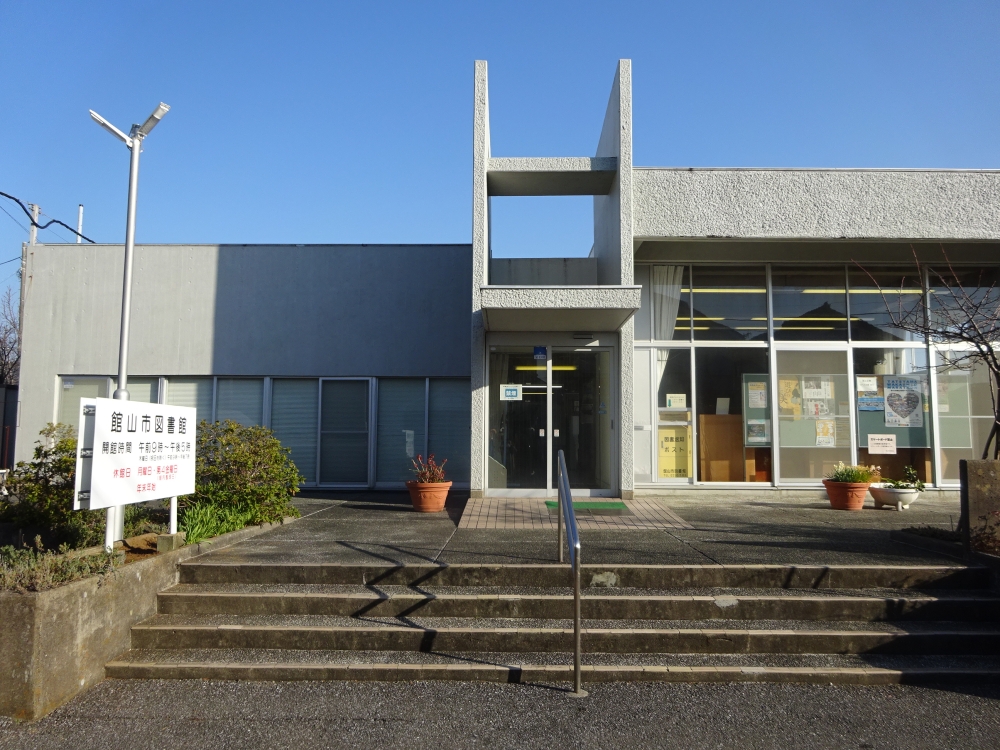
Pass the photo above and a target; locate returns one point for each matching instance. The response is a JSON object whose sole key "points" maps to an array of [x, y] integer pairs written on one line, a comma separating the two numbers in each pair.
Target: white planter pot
{"points": [[900, 499]]}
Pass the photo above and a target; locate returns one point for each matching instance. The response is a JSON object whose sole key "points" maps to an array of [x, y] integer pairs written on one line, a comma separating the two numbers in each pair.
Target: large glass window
{"points": [[814, 400], [734, 421], [955, 294], [671, 295], [674, 449], [965, 411], [72, 390], [241, 400], [294, 409], [878, 297], [344, 432], [146, 390], [194, 393], [729, 303], [400, 436], [809, 304], [449, 421], [893, 411]]}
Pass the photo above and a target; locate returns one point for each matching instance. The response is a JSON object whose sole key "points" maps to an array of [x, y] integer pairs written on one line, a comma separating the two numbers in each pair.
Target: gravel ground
{"points": [[220, 715]]}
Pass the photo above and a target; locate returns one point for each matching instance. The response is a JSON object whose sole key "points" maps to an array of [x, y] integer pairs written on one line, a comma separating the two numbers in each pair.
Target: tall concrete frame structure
{"points": [[539, 303]]}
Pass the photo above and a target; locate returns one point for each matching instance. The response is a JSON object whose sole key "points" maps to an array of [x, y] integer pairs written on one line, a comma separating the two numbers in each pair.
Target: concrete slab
{"points": [[781, 528]]}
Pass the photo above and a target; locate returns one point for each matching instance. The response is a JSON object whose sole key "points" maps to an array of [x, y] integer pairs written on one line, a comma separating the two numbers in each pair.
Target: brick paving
{"points": [[532, 513]]}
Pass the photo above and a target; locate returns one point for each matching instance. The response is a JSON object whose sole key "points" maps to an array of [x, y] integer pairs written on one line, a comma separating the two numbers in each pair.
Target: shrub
{"points": [[911, 482], [845, 473], [204, 520], [429, 470], [245, 470], [41, 492], [37, 569]]}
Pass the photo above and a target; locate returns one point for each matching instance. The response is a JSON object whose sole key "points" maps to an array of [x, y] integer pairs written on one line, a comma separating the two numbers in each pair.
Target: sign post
{"points": [[132, 452]]}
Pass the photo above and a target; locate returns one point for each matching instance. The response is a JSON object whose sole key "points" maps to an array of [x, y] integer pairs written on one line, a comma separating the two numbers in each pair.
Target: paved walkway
{"points": [[532, 513], [380, 527]]}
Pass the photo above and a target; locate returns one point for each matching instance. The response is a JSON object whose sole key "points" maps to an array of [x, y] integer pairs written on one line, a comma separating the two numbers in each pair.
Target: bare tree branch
{"points": [[956, 308], [10, 339]]}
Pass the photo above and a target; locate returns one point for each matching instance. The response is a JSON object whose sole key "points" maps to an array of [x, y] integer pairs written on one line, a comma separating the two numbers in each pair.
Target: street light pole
{"points": [[115, 528], [121, 391]]}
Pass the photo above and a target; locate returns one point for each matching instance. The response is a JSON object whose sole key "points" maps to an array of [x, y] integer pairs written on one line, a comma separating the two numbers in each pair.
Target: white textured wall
{"points": [[763, 203]]}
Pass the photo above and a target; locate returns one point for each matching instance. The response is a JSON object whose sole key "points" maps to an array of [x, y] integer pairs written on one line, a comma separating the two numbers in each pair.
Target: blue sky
{"points": [[319, 122]]}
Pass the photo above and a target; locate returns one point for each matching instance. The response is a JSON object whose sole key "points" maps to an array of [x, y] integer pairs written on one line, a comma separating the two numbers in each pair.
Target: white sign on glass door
{"points": [[511, 392], [131, 452]]}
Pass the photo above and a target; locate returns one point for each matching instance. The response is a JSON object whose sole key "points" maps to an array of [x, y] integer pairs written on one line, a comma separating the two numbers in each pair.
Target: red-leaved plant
{"points": [[428, 471]]}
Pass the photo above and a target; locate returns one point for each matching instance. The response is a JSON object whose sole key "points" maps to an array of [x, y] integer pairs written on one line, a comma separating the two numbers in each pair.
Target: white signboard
{"points": [[676, 400], [131, 452], [881, 445], [510, 392]]}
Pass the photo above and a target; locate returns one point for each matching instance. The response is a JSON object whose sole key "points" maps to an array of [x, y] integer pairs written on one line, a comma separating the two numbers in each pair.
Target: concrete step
{"points": [[429, 634], [188, 599], [542, 667], [596, 576]]}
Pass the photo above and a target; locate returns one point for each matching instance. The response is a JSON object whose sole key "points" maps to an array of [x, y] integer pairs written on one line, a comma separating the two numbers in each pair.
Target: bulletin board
{"points": [[756, 411]]}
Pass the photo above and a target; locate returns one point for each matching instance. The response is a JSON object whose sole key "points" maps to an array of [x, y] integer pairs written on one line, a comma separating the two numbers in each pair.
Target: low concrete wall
{"points": [[55, 643]]}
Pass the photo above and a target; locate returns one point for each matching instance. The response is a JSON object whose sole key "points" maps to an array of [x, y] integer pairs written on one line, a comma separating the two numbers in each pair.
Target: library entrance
{"points": [[544, 399]]}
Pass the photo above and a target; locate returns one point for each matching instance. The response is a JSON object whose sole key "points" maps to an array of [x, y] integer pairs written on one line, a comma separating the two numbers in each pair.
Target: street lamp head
{"points": [[153, 119], [111, 128]]}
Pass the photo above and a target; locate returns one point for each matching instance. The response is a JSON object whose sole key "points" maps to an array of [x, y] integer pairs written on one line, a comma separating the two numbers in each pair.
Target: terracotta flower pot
{"points": [[428, 497], [846, 495]]}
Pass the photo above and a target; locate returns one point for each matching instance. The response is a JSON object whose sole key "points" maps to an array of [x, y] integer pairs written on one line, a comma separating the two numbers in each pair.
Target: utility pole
{"points": [[79, 224], [33, 230]]}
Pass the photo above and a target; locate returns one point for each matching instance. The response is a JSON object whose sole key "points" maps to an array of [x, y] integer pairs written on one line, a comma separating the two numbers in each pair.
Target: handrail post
{"points": [[559, 506], [577, 679], [565, 506]]}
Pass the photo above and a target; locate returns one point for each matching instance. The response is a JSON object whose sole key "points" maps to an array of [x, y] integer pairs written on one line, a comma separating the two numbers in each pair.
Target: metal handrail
{"points": [[568, 514]]}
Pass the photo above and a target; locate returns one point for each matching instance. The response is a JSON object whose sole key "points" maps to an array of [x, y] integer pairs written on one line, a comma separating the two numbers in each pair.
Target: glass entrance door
{"points": [[535, 411], [517, 436], [581, 417]]}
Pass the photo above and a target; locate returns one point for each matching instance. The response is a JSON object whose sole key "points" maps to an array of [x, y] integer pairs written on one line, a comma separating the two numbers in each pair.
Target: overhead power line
{"points": [[47, 224]]}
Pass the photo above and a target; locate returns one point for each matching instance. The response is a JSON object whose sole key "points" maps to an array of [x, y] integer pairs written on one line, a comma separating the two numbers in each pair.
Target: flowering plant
{"points": [[855, 474], [428, 471], [912, 481]]}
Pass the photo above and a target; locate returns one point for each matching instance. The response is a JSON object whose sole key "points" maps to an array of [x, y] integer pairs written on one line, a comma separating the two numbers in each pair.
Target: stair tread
{"points": [[213, 621], [263, 657], [374, 593]]}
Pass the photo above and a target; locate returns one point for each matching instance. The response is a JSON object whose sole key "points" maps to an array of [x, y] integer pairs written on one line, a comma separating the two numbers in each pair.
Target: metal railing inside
{"points": [[567, 520]]}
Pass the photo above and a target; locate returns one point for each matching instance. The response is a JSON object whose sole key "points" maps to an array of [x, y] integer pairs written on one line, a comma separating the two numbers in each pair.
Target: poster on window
{"points": [[789, 396], [903, 402], [817, 386], [826, 433], [674, 451], [756, 395], [758, 432]]}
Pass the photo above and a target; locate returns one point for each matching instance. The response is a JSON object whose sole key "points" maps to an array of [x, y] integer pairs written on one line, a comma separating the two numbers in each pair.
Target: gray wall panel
{"points": [[277, 310]]}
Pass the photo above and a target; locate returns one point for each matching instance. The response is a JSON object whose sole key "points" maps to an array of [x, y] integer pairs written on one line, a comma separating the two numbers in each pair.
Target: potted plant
{"points": [[430, 490], [898, 492], [847, 486]]}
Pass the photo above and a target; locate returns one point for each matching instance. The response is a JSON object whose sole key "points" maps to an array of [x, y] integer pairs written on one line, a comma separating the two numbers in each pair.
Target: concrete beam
{"points": [[582, 175], [558, 308]]}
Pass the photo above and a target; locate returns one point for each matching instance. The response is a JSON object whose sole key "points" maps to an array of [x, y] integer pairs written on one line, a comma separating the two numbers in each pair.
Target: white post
{"points": [[173, 515], [33, 229], [79, 224], [110, 529]]}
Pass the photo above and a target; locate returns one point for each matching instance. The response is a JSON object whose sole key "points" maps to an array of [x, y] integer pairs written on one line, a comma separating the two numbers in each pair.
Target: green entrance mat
{"points": [[596, 507]]}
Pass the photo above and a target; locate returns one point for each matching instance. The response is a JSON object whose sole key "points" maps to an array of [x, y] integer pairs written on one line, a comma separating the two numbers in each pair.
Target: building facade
{"points": [[729, 330]]}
